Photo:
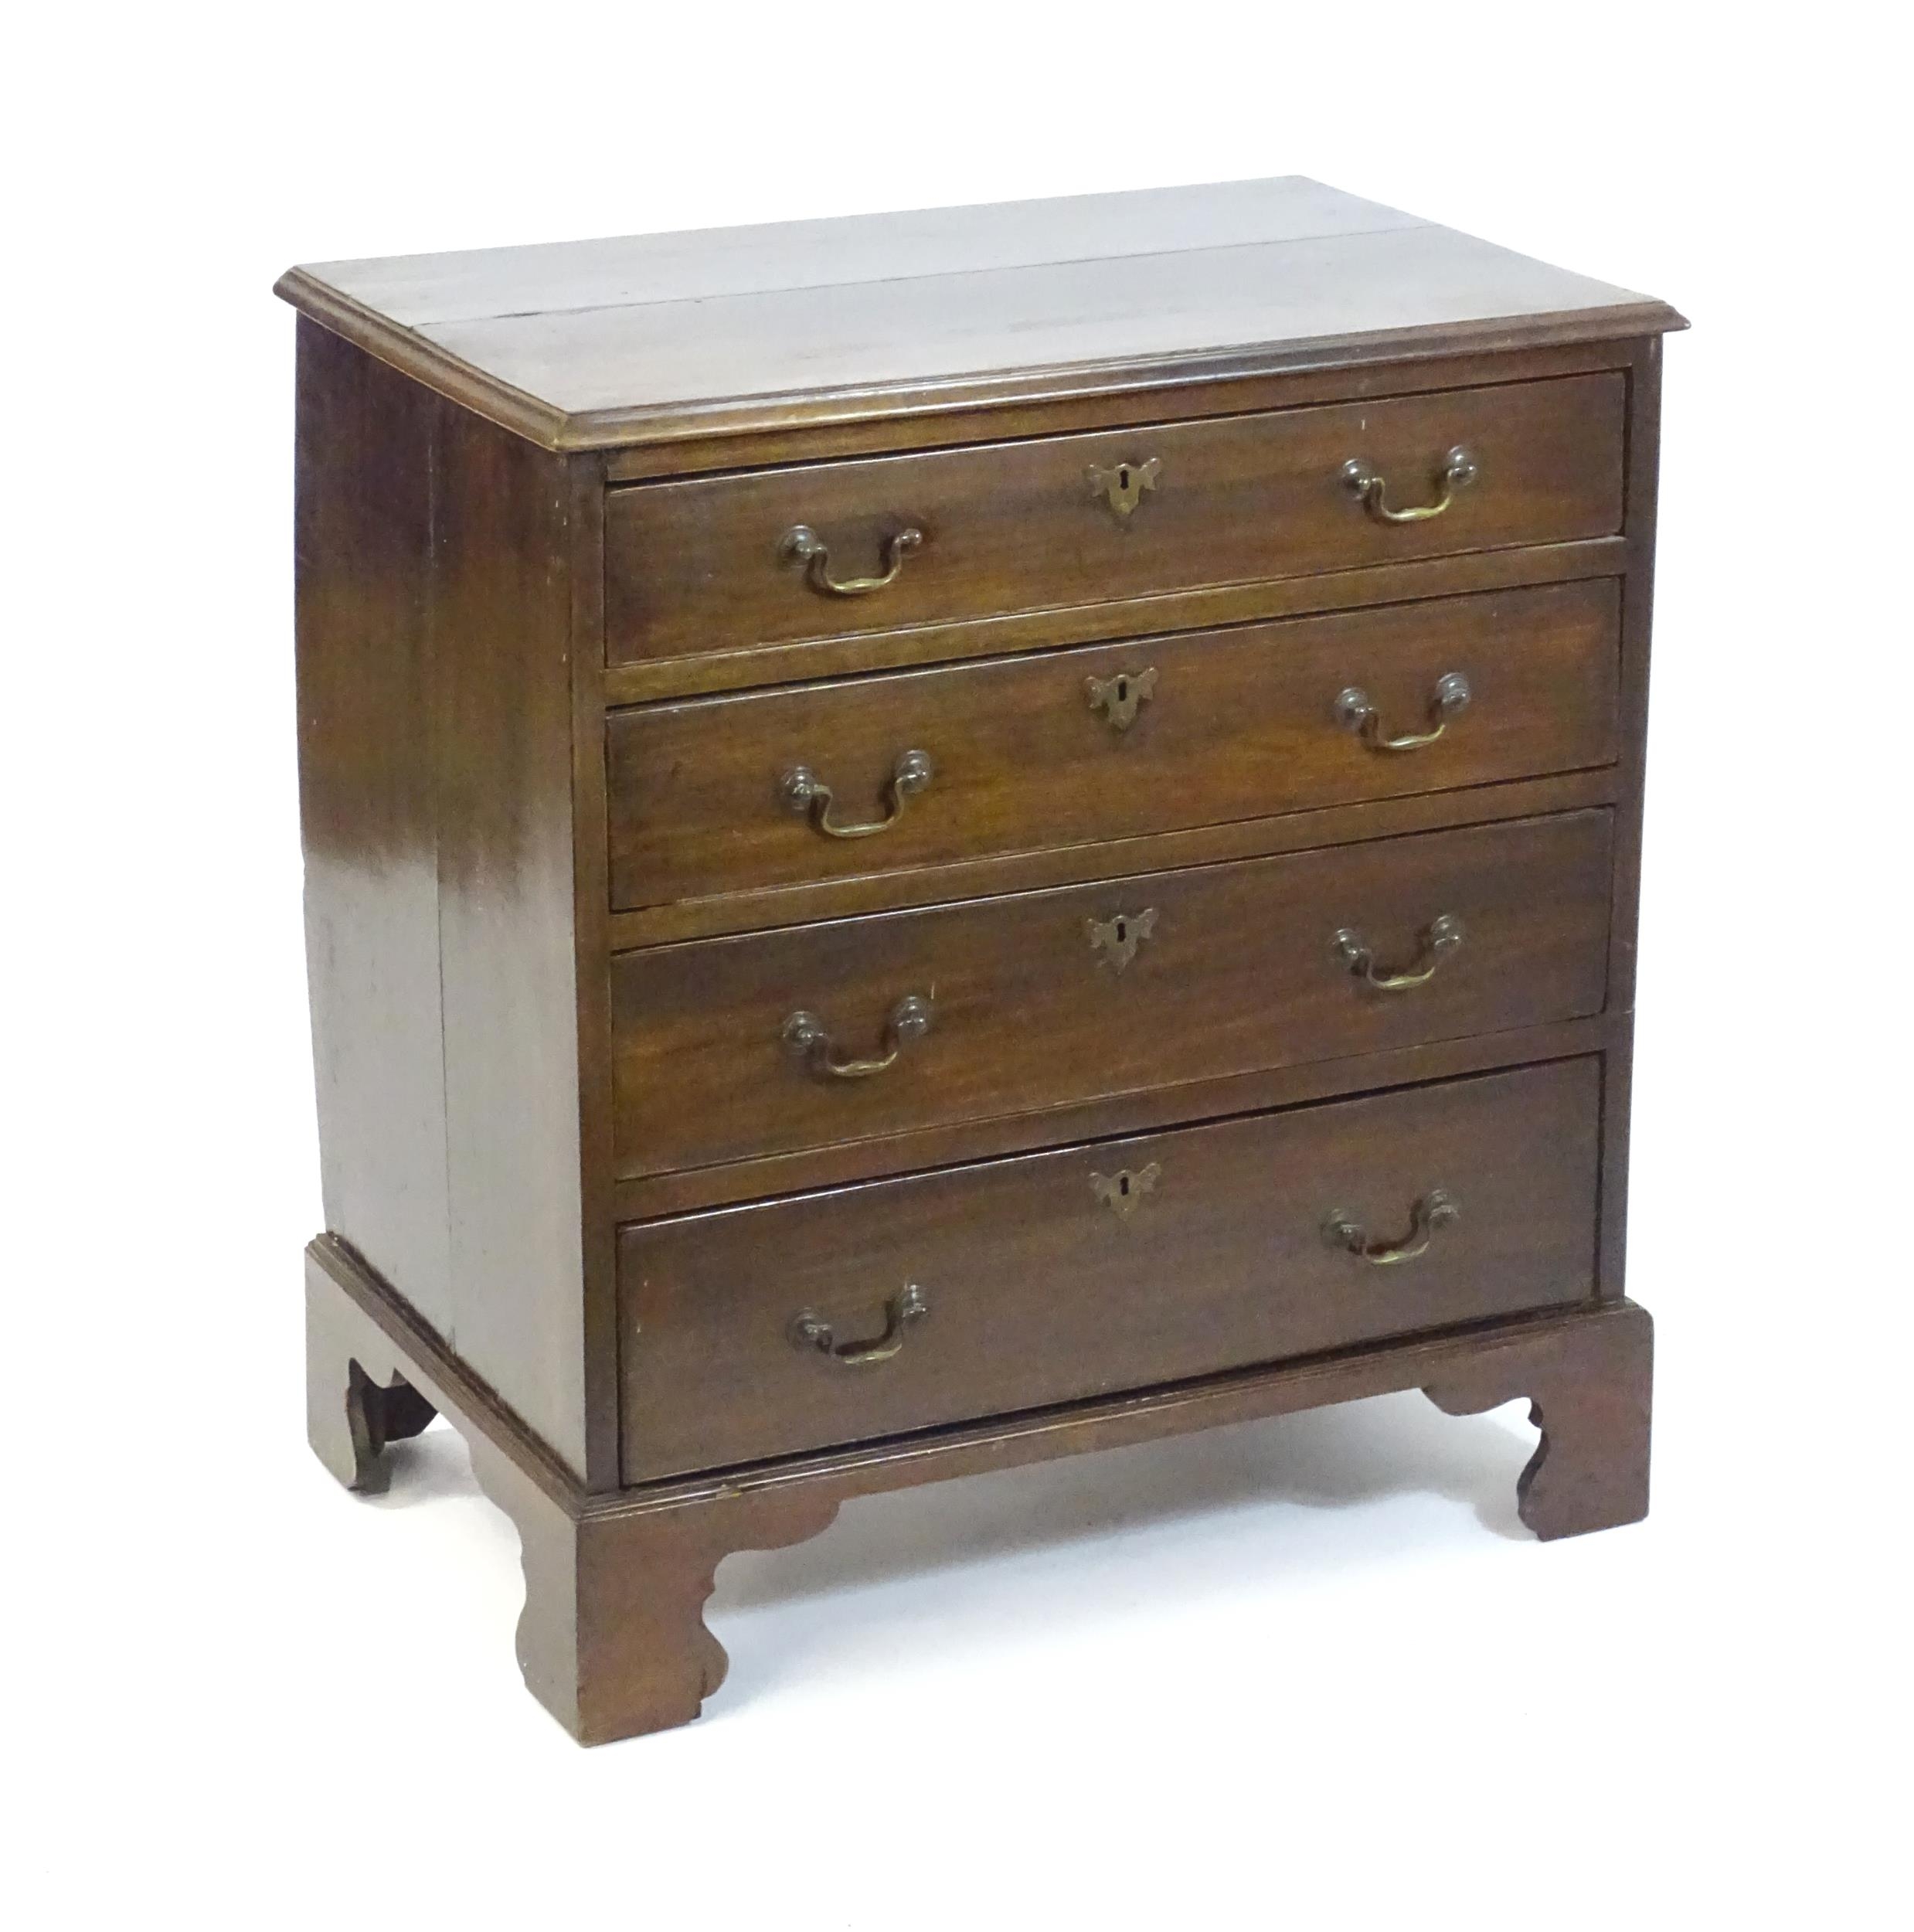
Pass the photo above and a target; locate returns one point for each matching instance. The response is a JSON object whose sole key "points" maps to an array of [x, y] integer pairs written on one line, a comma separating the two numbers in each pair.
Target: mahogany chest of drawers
{"points": [[946, 839]]}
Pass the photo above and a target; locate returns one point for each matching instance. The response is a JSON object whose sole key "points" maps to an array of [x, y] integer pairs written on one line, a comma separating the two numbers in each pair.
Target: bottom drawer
{"points": [[755, 1331]]}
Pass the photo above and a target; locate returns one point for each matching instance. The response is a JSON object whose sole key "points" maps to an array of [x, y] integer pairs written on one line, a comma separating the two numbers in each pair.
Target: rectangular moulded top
{"points": [[654, 339]]}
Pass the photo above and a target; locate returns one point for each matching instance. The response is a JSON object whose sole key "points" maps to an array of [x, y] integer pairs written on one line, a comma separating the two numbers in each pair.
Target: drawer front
{"points": [[710, 564], [1055, 1277], [1109, 742], [1038, 999]]}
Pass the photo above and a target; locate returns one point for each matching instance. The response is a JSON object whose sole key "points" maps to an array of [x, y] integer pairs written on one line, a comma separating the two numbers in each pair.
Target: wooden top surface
{"points": [[654, 338]]}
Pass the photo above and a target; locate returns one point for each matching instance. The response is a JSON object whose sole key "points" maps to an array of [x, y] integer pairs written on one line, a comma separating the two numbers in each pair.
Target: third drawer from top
{"points": [[856, 1029]]}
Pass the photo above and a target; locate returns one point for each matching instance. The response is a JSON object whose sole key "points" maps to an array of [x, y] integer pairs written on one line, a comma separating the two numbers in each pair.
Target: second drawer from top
{"points": [[880, 774]]}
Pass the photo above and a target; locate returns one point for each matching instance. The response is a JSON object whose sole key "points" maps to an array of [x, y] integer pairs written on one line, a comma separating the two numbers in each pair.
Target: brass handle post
{"points": [[802, 545], [803, 792], [1440, 938], [1437, 1208], [1357, 714], [807, 1038], [1456, 470], [809, 1330]]}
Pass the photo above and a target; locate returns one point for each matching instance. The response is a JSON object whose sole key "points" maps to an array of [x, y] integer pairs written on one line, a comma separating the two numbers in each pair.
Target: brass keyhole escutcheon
{"points": [[1121, 485], [1119, 698], [1117, 940], [1123, 1192]]}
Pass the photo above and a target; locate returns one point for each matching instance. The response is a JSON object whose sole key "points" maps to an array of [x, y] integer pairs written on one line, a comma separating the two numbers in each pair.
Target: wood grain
{"points": [[612, 1639], [876, 891], [438, 772], [553, 671], [704, 264], [1590, 1469], [1038, 1290], [655, 1196], [503, 743], [631, 364], [368, 812], [585, 563], [1644, 441], [731, 667], [1016, 527], [1237, 725], [735, 331], [1352, 372], [1240, 971]]}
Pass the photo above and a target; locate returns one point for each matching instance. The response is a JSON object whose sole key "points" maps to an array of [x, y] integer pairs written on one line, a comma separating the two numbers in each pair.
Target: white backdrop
{"points": [[1305, 1670]]}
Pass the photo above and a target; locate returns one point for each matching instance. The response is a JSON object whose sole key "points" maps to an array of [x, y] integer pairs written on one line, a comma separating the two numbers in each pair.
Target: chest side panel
{"points": [[369, 809], [436, 730]]}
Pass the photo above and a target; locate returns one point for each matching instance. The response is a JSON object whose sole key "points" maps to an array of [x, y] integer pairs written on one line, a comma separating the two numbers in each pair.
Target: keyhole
{"points": [[1123, 476], [1123, 690], [1123, 1185], [1122, 931]]}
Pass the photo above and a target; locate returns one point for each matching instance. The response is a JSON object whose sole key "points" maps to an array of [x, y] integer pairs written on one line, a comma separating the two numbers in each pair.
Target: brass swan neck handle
{"points": [[1357, 714], [809, 1330], [806, 1037], [1437, 1209], [1456, 470], [1440, 938], [803, 792], [802, 545]]}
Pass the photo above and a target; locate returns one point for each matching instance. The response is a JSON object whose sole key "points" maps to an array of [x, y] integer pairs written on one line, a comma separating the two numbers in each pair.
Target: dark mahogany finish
{"points": [[1021, 528], [1234, 967], [1192, 1032], [1051, 1277], [1222, 726]]}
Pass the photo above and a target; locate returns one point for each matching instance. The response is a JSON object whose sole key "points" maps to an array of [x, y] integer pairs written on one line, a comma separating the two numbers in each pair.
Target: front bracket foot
{"points": [[1589, 1385]]}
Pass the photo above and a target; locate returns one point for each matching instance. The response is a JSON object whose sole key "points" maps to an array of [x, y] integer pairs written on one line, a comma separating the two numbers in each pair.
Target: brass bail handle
{"points": [[807, 1038], [1456, 470], [1437, 1208], [809, 1330], [802, 545], [1356, 712], [1438, 939], [803, 792]]}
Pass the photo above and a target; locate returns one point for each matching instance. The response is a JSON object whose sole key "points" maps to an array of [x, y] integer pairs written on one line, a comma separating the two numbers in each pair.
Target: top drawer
{"points": [[713, 564]]}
